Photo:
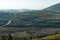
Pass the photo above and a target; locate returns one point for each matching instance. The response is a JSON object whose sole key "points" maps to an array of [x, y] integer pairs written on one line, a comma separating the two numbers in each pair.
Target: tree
{"points": [[3, 38], [10, 36]]}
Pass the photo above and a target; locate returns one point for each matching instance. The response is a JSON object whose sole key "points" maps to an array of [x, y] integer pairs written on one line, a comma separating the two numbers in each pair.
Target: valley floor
{"points": [[29, 32]]}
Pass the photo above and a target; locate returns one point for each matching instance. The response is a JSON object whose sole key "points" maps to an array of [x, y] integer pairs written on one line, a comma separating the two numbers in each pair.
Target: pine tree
{"points": [[24, 38], [10, 36], [3, 38]]}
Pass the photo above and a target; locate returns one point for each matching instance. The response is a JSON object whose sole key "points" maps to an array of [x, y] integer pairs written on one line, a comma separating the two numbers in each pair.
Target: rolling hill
{"points": [[49, 17]]}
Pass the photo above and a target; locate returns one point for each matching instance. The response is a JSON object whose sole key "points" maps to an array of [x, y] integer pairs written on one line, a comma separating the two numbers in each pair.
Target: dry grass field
{"points": [[20, 32]]}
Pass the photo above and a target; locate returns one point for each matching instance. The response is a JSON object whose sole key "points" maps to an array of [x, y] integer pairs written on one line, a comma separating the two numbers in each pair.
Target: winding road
{"points": [[6, 23]]}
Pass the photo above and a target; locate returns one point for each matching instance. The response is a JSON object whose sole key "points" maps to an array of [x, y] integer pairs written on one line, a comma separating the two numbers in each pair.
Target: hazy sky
{"points": [[26, 4]]}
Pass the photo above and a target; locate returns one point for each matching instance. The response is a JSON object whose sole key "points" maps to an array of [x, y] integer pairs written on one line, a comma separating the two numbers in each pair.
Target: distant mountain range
{"points": [[48, 17], [14, 10]]}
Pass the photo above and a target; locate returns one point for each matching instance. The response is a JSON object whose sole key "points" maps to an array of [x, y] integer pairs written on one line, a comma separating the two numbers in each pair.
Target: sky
{"points": [[27, 4]]}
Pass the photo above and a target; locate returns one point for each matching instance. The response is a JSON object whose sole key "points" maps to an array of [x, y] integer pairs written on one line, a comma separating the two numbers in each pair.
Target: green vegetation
{"points": [[52, 37]]}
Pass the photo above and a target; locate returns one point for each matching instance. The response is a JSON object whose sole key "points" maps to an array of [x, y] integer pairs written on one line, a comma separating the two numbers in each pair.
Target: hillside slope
{"points": [[31, 19], [54, 8]]}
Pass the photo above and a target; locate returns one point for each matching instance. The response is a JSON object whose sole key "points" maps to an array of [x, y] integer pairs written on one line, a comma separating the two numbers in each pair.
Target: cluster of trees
{"points": [[10, 37]]}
